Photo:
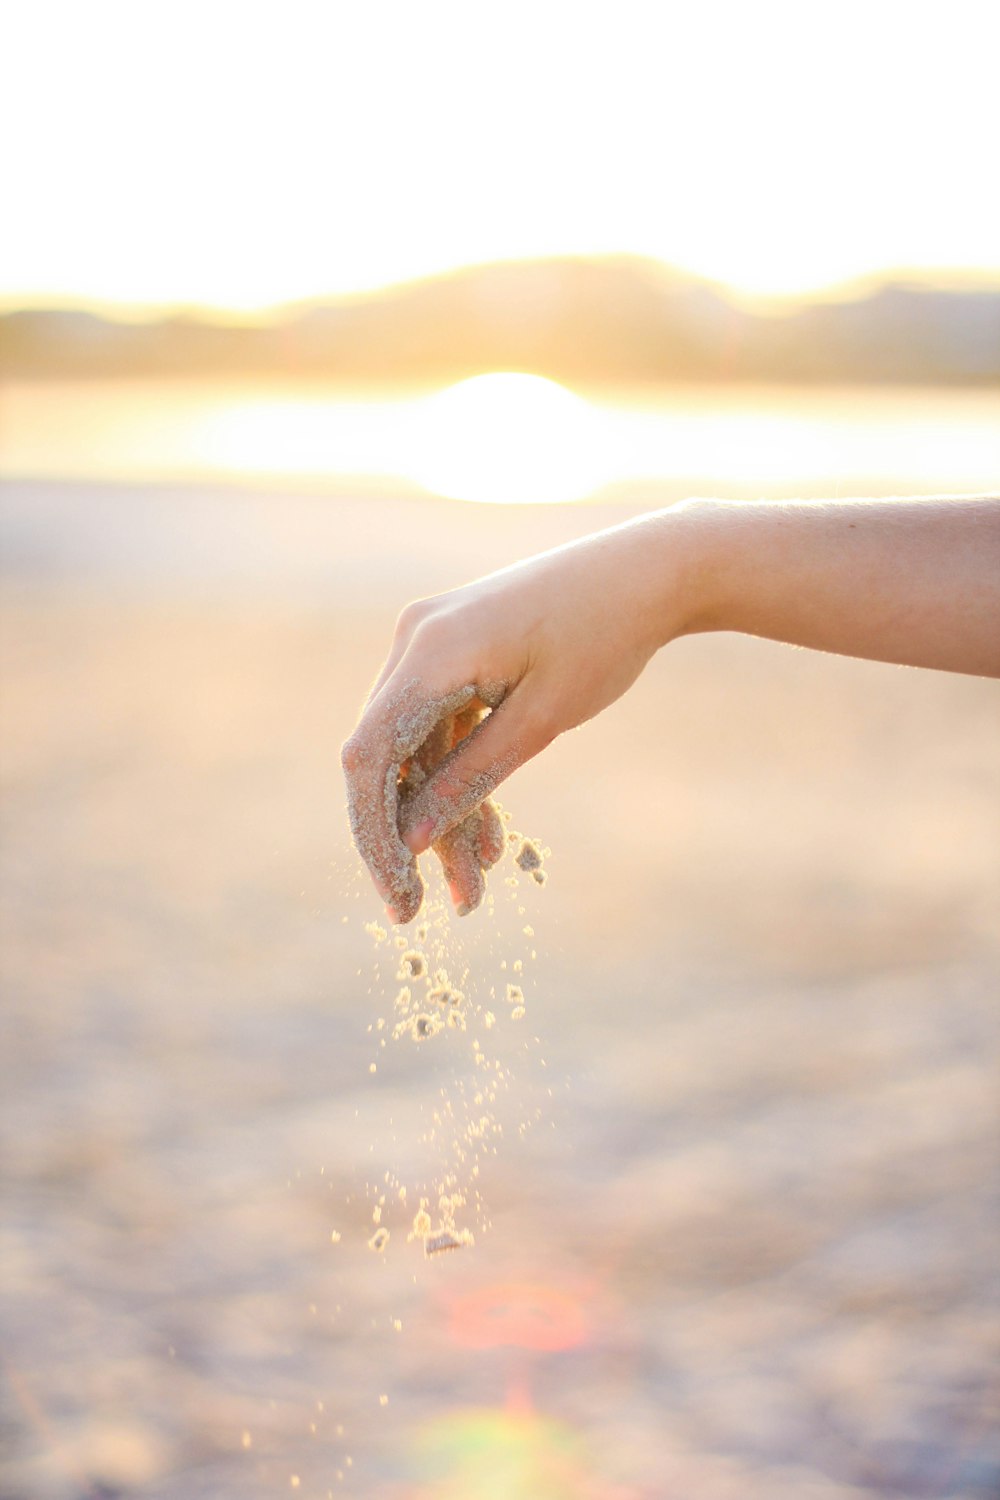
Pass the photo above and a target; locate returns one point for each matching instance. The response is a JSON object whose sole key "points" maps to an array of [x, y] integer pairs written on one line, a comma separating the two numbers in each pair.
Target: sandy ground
{"points": [[747, 1248]]}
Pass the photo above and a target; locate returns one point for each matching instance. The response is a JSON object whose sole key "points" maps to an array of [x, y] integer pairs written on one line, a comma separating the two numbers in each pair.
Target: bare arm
{"points": [[552, 641], [909, 581]]}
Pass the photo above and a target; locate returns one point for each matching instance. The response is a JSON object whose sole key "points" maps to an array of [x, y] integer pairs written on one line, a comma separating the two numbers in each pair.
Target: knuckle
{"points": [[411, 616], [352, 754], [434, 633]]}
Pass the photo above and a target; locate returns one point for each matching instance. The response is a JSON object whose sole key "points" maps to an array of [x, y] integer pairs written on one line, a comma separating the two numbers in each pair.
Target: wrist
{"points": [[686, 545]]}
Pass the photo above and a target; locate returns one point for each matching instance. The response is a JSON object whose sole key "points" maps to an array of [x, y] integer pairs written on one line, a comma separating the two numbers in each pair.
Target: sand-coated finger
{"points": [[393, 727], [492, 836], [458, 851], [371, 805], [504, 740]]}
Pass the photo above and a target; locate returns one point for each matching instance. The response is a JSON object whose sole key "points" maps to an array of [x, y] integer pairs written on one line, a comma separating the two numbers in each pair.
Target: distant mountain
{"points": [[585, 321]]}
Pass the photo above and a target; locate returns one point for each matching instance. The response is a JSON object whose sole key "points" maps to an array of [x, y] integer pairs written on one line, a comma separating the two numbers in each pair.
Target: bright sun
{"points": [[506, 438]]}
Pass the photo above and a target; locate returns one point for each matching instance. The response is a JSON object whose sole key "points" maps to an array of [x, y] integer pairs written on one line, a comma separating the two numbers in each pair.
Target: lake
{"points": [[507, 437]]}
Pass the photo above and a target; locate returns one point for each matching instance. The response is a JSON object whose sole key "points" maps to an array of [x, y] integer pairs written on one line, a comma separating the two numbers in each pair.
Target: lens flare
{"points": [[496, 1455], [523, 1315]]}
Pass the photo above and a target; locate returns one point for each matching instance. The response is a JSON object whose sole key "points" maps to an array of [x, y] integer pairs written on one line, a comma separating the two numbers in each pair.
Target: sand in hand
{"points": [[389, 766]]}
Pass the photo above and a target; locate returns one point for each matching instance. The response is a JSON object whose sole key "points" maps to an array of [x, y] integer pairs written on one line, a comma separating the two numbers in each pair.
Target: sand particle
{"points": [[529, 856], [443, 1241], [445, 995]]}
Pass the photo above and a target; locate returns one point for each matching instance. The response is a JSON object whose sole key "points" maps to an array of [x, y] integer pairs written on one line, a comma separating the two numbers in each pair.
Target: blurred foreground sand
{"points": [[766, 997]]}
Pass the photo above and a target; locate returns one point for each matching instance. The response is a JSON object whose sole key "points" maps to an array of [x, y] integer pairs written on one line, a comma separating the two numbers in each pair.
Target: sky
{"points": [[239, 157]]}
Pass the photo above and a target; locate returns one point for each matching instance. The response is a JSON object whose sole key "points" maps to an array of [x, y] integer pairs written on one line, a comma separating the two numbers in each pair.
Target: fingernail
{"points": [[462, 909], [418, 839], [393, 915]]}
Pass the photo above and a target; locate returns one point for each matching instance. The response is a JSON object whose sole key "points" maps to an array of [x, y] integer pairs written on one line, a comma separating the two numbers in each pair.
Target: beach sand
{"points": [[747, 1247]]}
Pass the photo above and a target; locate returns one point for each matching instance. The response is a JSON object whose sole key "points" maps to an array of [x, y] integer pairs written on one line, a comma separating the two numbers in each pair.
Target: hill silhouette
{"points": [[619, 319]]}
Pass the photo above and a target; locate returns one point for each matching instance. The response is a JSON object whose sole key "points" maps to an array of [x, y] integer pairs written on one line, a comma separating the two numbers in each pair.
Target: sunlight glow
{"points": [[509, 438], [299, 437], [505, 438]]}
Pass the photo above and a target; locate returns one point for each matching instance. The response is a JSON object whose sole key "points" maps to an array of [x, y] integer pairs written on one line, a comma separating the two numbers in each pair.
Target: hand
{"points": [[473, 845], [480, 680]]}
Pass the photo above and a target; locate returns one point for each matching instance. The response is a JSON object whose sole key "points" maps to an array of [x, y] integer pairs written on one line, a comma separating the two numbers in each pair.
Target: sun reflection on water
{"points": [[507, 437], [503, 438], [510, 438]]}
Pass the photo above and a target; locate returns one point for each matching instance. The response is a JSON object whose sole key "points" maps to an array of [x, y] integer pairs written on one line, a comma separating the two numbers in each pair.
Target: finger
{"points": [[491, 836], [371, 801], [406, 624], [458, 851], [509, 736], [461, 849], [393, 727], [392, 661]]}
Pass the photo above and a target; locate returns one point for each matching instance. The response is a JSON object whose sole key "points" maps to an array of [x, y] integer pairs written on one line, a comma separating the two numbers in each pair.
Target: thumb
{"points": [[510, 735]]}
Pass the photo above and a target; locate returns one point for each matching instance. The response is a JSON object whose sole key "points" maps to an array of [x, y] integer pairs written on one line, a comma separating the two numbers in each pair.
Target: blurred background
{"points": [[306, 311]]}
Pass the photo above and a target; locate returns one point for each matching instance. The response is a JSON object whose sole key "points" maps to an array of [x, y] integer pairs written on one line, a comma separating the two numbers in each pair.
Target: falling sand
{"points": [[439, 1000]]}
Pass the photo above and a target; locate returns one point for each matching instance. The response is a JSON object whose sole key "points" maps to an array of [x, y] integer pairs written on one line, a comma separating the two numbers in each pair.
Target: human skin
{"points": [[495, 670]]}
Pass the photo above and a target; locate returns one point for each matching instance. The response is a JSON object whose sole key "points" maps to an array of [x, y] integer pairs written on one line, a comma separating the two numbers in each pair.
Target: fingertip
{"points": [[467, 890], [406, 899], [472, 899]]}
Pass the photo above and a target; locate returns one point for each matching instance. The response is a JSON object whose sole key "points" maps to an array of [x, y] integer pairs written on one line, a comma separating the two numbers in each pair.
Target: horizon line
{"points": [[945, 278]]}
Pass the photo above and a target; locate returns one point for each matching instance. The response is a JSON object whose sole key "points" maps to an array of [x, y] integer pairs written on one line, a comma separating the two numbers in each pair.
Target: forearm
{"points": [[554, 640], [909, 581]]}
